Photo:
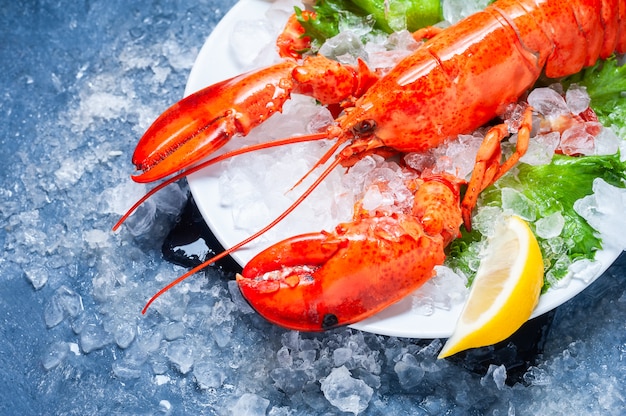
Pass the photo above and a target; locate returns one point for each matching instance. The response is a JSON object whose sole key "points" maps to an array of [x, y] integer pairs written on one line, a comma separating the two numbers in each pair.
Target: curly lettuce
{"points": [[386, 16]]}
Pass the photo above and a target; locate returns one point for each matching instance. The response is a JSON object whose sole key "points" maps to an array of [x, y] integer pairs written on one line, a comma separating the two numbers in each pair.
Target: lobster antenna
{"points": [[254, 236], [319, 163], [227, 155]]}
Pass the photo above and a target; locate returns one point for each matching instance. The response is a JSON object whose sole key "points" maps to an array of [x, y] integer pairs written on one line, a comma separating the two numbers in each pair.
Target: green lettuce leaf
{"points": [[387, 16], [548, 189]]}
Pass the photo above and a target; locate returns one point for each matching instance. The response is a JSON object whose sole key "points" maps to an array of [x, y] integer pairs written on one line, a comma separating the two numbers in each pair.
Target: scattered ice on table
{"points": [[251, 405], [36, 274], [69, 173], [345, 392], [495, 374], [63, 304], [55, 354]]}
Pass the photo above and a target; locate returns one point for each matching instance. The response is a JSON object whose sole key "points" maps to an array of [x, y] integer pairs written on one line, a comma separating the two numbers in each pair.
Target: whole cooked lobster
{"points": [[458, 80]]}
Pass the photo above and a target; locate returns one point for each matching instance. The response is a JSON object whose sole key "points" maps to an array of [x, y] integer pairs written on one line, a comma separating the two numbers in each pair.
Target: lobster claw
{"points": [[201, 123], [314, 282]]}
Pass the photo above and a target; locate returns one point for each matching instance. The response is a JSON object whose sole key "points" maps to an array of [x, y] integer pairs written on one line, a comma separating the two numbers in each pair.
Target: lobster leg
{"points": [[317, 281], [488, 168]]}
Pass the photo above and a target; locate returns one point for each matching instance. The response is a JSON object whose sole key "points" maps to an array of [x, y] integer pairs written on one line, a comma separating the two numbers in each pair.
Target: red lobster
{"points": [[458, 80]]}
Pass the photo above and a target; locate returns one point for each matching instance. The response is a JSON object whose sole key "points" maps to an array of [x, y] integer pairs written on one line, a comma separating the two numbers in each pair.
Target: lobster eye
{"points": [[364, 128]]}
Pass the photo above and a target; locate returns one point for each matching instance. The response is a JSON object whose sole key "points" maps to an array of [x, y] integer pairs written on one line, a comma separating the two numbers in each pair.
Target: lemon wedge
{"points": [[505, 290]]}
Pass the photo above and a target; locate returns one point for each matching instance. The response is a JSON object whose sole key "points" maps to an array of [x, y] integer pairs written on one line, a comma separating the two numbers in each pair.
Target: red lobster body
{"points": [[457, 81], [469, 73]]}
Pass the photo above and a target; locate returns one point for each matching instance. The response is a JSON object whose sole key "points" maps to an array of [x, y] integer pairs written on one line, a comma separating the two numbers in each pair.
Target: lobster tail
{"points": [[570, 35]]}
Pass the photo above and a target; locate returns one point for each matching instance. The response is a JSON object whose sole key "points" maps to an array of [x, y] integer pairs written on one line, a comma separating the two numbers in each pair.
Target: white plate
{"points": [[216, 62]]}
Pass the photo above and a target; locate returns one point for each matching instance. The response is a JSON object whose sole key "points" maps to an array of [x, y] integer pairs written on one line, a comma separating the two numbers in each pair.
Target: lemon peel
{"points": [[505, 290]]}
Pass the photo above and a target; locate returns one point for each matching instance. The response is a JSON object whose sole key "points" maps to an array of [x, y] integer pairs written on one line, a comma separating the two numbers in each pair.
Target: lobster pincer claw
{"points": [[314, 282], [201, 123]]}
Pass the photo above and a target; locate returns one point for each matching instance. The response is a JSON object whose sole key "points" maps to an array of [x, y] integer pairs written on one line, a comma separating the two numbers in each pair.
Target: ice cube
{"points": [[55, 355], [249, 39], [455, 10], [585, 269], [460, 155], [496, 374], [409, 372], [180, 355], [36, 274], [603, 210], [606, 142], [419, 161], [123, 331], [535, 376], [577, 98], [64, 303], [548, 102], [341, 356], [141, 221], [93, 337], [207, 375], [250, 404], [514, 202], [541, 149], [345, 47], [345, 392], [550, 226], [372, 198], [580, 138]]}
